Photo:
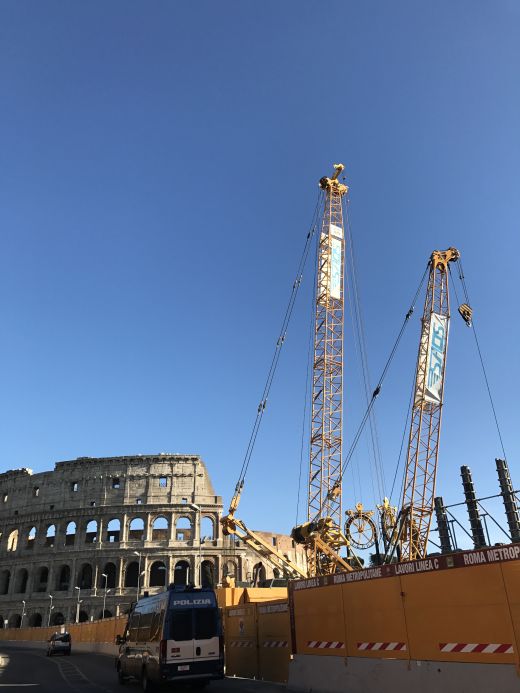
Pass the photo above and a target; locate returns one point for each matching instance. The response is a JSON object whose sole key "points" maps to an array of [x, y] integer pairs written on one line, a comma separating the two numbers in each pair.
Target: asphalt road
{"points": [[27, 668]]}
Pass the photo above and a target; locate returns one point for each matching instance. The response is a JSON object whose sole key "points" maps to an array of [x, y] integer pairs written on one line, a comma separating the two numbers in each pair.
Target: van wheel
{"points": [[146, 684], [121, 678]]}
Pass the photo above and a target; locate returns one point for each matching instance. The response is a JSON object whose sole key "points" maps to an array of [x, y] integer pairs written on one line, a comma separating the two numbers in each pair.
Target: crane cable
{"points": [[481, 358], [379, 385], [412, 392], [279, 343], [359, 331], [306, 400]]}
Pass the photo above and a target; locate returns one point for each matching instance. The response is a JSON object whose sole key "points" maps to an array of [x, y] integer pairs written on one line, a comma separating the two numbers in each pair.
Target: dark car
{"points": [[59, 642]]}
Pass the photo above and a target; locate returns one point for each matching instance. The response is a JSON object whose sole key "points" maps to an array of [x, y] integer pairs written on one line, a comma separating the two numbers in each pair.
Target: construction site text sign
{"points": [[431, 564], [436, 358]]}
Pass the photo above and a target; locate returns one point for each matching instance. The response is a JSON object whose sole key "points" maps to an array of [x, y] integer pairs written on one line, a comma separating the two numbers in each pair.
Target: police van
{"points": [[171, 637]]}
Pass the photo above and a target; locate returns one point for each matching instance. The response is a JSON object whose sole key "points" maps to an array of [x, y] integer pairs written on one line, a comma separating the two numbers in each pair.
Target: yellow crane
{"points": [[423, 442], [321, 534]]}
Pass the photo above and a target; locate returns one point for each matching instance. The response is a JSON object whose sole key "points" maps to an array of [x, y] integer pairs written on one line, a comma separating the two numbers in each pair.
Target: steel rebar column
{"points": [[510, 502], [442, 525], [477, 531]]}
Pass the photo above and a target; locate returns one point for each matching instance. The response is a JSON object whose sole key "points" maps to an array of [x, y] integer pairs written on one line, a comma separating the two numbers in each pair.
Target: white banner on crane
{"points": [[336, 231], [436, 358], [335, 267]]}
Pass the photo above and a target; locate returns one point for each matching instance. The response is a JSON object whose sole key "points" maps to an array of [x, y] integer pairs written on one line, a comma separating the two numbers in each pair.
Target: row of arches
{"points": [[160, 531], [108, 577], [36, 620]]}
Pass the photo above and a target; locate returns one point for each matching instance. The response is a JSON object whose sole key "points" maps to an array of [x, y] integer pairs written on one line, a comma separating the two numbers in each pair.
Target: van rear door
{"points": [[206, 633]]}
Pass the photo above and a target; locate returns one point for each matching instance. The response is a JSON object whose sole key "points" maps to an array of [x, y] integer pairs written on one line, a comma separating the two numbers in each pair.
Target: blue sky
{"points": [[159, 168]]}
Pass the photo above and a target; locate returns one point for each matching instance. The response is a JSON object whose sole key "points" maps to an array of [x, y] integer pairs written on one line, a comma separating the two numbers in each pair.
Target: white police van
{"points": [[174, 636]]}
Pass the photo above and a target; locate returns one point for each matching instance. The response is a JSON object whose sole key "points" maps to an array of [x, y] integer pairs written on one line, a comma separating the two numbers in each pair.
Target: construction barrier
{"points": [[464, 607], [274, 641], [257, 635], [103, 631]]}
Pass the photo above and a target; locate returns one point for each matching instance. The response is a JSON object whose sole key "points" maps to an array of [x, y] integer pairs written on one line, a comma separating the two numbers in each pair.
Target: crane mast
{"points": [[423, 442], [324, 489]]}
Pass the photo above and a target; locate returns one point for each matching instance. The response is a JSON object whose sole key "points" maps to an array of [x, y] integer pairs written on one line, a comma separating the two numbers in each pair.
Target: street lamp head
{"points": [[137, 553], [77, 588], [104, 575]]}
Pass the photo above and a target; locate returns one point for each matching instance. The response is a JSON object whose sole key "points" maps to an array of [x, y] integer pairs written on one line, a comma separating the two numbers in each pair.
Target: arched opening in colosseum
{"points": [[83, 616], [85, 577], [105, 614], [136, 529], [91, 532], [2, 622], [50, 536], [207, 528], [35, 620], [131, 574], [15, 620], [181, 573], [111, 572], [57, 618], [183, 529], [207, 577], [259, 574], [229, 569], [42, 577], [20, 585], [160, 529], [114, 531], [157, 574], [5, 578], [63, 579], [12, 541], [31, 538], [70, 534]]}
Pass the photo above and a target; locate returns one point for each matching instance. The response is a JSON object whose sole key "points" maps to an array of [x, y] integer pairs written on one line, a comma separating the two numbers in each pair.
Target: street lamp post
{"points": [[50, 610], [78, 603], [197, 508], [105, 595], [23, 613], [138, 553]]}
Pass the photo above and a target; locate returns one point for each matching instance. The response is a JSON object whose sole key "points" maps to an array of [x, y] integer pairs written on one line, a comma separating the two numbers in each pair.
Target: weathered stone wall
{"points": [[132, 519]]}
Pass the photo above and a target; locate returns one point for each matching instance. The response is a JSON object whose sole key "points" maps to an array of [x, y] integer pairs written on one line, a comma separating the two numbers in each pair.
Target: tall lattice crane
{"points": [[423, 443], [327, 373], [322, 533]]}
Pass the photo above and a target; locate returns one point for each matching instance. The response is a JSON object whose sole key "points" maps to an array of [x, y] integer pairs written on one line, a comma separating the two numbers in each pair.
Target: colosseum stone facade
{"points": [[83, 540]]}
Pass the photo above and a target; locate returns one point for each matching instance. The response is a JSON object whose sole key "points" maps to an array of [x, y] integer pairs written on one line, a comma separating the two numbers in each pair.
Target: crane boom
{"points": [[324, 489], [423, 442]]}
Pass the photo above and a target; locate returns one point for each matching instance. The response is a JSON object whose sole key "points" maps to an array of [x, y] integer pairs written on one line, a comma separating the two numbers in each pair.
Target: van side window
{"points": [[206, 625], [144, 627], [180, 625], [133, 626], [155, 630]]}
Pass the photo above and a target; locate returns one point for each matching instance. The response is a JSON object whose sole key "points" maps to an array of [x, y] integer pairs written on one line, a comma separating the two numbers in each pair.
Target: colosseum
{"points": [[81, 542]]}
